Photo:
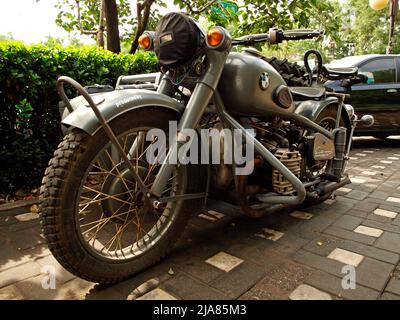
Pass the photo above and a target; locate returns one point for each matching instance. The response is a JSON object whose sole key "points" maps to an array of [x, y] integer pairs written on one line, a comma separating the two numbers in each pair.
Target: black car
{"points": [[380, 96]]}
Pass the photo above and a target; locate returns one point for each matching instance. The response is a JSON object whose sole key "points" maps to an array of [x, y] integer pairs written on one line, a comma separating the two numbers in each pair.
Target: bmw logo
{"points": [[264, 80]]}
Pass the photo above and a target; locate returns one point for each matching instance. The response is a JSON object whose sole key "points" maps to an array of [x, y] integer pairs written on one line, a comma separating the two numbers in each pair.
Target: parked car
{"points": [[380, 96]]}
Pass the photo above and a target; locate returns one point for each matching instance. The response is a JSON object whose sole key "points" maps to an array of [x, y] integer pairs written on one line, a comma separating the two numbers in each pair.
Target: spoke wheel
{"points": [[114, 217], [97, 222]]}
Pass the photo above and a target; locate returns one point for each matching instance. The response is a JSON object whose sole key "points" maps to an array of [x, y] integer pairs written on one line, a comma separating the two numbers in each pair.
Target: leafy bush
{"points": [[29, 114]]}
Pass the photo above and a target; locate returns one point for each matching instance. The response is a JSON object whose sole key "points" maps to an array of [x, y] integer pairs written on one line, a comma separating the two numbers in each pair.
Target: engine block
{"points": [[292, 160]]}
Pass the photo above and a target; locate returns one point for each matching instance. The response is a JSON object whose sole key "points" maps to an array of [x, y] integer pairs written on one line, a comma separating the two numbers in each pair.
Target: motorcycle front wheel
{"points": [[96, 221]]}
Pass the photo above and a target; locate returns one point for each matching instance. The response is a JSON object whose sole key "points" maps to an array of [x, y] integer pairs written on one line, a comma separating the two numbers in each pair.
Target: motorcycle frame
{"points": [[205, 90]]}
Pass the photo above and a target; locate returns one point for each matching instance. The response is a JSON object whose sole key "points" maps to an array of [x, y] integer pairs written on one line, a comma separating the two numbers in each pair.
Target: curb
{"points": [[17, 207]]}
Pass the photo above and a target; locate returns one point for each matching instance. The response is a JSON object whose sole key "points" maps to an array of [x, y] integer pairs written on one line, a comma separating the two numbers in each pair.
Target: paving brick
{"points": [[315, 261], [349, 235], [207, 249], [348, 222], [385, 213], [25, 239], [382, 225], [301, 215], [396, 221], [378, 195], [157, 294], [389, 296], [368, 231], [306, 292], [378, 218], [393, 199], [393, 286], [27, 216], [10, 293], [366, 187], [7, 220], [236, 282], [270, 234], [9, 255], [339, 207], [200, 270], [343, 190], [266, 258], [290, 243], [370, 251], [279, 282], [333, 285], [373, 273], [346, 257], [366, 205], [76, 289], [187, 288], [357, 213], [345, 200], [32, 288], [311, 229], [389, 241], [323, 245], [224, 261], [19, 273], [357, 195], [9, 229]]}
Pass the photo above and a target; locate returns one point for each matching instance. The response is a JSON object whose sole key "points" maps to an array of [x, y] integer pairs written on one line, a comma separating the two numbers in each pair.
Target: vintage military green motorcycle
{"points": [[113, 201]]}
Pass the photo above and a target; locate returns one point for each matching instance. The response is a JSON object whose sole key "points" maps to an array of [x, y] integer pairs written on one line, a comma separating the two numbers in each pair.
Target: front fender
{"points": [[113, 104]]}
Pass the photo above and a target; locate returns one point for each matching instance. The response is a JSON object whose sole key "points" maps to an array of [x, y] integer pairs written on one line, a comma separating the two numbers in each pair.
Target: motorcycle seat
{"points": [[301, 93], [339, 73]]}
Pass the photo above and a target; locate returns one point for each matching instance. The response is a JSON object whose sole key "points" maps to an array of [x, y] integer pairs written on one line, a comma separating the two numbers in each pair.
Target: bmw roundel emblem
{"points": [[264, 80]]}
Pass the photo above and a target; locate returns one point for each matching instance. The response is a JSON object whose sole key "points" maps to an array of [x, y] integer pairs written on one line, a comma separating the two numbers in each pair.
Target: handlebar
{"points": [[276, 36]]}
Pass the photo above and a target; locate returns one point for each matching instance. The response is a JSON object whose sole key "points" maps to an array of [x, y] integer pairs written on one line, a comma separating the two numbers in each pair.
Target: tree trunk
{"points": [[143, 14], [102, 26], [111, 14]]}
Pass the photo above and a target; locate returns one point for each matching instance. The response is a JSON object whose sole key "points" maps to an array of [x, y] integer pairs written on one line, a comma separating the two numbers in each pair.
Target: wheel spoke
{"points": [[115, 221]]}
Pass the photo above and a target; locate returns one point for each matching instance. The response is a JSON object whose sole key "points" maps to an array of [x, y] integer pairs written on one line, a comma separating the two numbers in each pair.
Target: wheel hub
{"points": [[123, 192]]}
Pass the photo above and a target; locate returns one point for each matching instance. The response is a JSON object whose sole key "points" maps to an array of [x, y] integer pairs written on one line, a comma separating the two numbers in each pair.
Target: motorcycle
{"points": [[114, 199]]}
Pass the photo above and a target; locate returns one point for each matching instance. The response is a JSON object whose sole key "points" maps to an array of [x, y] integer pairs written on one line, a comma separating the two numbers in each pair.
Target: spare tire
{"points": [[291, 72]]}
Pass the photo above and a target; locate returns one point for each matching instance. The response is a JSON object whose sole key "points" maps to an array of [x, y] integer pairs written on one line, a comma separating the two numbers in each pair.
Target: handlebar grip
{"points": [[301, 34], [251, 39]]}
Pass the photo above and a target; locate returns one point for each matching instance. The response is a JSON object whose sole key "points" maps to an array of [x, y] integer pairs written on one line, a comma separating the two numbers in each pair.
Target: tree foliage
{"points": [[129, 17], [369, 29], [29, 115]]}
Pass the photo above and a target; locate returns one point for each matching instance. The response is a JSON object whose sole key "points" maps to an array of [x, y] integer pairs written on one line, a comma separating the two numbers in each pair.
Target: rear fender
{"points": [[114, 104], [311, 109]]}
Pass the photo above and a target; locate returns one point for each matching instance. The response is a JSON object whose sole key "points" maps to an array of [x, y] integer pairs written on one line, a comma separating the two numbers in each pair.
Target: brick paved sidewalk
{"points": [[224, 255]]}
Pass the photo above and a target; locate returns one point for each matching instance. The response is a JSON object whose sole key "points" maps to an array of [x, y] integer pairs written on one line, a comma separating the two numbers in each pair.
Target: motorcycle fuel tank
{"points": [[249, 87]]}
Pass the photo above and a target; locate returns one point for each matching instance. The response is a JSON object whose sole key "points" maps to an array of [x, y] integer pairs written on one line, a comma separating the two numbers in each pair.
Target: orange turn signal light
{"points": [[215, 37], [145, 41]]}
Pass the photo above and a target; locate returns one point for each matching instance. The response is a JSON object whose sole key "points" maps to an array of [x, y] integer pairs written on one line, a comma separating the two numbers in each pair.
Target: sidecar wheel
{"points": [[96, 222]]}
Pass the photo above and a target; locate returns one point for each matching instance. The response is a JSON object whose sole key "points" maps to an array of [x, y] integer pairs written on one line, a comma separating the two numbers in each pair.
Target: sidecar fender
{"points": [[114, 104]]}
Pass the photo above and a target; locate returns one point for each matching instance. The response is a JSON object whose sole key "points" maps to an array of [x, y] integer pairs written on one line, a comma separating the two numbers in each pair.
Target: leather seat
{"points": [[300, 93], [339, 73]]}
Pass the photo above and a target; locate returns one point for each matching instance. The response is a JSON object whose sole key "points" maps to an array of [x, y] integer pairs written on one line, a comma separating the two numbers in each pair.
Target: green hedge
{"points": [[29, 115]]}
